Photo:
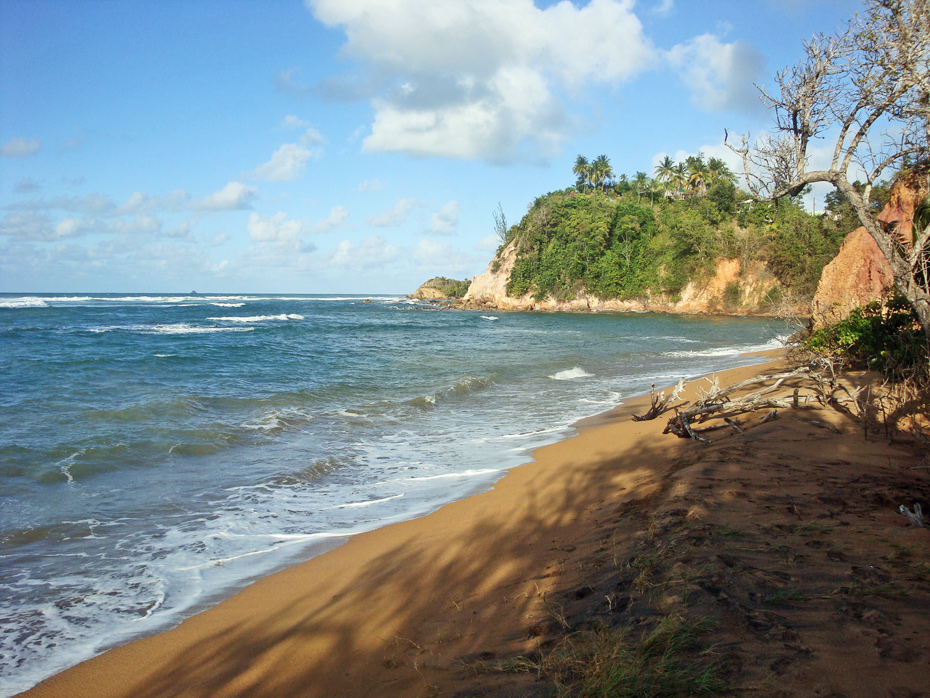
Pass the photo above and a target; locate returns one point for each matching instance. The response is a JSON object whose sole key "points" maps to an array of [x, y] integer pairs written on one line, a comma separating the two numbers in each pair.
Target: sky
{"points": [[346, 146]]}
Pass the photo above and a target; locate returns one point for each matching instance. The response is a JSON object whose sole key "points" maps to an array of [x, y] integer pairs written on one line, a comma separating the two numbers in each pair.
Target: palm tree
{"points": [[641, 179], [717, 169], [602, 170], [582, 170], [665, 172], [697, 174], [679, 178]]}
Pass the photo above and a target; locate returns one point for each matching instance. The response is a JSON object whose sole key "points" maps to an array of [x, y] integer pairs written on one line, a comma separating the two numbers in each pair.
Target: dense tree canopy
{"points": [[625, 242]]}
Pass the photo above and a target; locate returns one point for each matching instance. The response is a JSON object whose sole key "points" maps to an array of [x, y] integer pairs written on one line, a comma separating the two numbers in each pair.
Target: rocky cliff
{"points": [[860, 273], [730, 290]]}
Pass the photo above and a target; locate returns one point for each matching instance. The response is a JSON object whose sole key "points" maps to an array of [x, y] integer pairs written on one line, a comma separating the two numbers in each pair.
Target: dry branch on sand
{"points": [[660, 403], [820, 383]]}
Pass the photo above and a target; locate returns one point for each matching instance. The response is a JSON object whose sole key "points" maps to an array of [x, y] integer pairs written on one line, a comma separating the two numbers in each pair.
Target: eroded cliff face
{"points": [[860, 273], [857, 275], [731, 290]]}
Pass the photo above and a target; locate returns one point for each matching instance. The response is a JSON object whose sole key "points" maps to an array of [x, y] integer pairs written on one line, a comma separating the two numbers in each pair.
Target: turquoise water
{"points": [[159, 452]]}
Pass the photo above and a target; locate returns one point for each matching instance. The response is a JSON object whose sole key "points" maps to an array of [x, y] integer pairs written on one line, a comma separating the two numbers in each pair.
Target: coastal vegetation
{"points": [[626, 237]]}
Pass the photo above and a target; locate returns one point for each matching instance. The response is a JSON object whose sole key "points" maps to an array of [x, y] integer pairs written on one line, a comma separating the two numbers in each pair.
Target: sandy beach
{"points": [[787, 537]]}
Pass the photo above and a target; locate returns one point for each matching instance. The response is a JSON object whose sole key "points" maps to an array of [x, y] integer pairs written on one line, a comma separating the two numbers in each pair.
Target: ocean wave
{"points": [[23, 303], [489, 317], [571, 374], [279, 420], [258, 318], [228, 305], [171, 328], [776, 343]]}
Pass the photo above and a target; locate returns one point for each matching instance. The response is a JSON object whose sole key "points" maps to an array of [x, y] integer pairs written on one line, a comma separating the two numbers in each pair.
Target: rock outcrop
{"points": [[857, 275], [731, 290], [860, 273], [440, 288]]}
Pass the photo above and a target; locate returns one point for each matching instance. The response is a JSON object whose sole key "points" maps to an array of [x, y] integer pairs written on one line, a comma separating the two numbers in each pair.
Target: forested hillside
{"points": [[642, 237]]}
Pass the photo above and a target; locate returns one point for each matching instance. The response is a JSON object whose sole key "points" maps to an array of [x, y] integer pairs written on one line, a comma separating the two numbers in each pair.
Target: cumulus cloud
{"points": [[371, 253], [286, 164], [446, 219], [20, 147], [28, 225], [479, 80], [395, 215], [337, 216], [234, 196], [719, 75], [276, 228], [429, 253]]}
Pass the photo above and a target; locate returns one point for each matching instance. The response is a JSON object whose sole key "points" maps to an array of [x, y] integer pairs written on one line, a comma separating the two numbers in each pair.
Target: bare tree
{"points": [[868, 89]]}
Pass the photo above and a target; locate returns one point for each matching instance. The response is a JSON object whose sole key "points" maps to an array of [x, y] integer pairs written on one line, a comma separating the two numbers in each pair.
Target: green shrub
{"points": [[884, 336]]}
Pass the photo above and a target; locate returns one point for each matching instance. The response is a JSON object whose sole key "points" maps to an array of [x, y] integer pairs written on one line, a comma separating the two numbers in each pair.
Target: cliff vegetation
{"points": [[642, 238]]}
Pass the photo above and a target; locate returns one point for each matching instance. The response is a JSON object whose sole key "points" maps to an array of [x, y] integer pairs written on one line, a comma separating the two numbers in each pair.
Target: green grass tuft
{"points": [[665, 663]]}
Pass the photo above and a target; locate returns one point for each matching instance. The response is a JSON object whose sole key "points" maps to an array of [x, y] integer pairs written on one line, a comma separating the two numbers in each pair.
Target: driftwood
{"points": [[660, 403], [716, 402]]}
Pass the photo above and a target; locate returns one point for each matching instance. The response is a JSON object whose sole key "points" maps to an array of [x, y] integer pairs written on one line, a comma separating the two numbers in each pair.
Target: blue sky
{"points": [[344, 146]]}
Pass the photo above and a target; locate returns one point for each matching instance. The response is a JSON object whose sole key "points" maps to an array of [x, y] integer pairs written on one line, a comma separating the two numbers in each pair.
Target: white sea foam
{"points": [[183, 328], [776, 343], [228, 305], [258, 318], [489, 317], [30, 302], [571, 374], [454, 476], [371, 502]]}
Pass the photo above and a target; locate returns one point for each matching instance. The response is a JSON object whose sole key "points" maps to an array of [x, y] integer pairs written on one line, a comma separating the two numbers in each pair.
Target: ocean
{"points": [[159, 452]]}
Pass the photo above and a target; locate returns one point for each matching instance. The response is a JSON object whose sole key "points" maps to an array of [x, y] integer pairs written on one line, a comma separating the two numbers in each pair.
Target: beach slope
{"points": [[787, 536]]}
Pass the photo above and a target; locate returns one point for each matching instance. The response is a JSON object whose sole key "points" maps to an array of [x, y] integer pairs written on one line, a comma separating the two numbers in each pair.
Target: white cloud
{"points": [[371, 253], [312, 137], [394, 216], [20, 147], [429, 253], [337, 216], [276, 228], [720, 76], [479, 80], [285, 165], [446, 219], [234, 196], [489, 243], [139, 201], [664, 8], [291, 121]]}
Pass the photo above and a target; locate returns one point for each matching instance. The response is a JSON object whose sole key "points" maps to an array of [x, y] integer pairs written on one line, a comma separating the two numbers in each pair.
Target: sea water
{"points": [[159, 452]]}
